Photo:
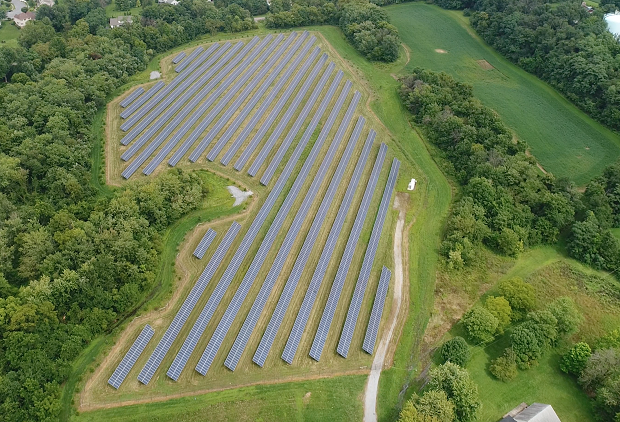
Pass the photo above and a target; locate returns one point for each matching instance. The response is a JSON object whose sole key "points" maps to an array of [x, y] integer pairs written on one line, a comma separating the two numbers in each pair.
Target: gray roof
{"points": [[537, 412]]}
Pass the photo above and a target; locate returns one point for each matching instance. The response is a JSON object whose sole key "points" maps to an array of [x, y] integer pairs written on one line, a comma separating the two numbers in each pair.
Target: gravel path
{"points": [[238, 194], [370, 395]]}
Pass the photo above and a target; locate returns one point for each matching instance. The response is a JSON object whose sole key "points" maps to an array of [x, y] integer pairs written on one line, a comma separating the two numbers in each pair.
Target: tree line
{"points": [[74, 262], [366, 25], [559, 42], [507, 203]]}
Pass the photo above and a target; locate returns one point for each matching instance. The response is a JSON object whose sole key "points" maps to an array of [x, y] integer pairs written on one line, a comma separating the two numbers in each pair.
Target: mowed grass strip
{"points": [[318, 400], [562, 138]]}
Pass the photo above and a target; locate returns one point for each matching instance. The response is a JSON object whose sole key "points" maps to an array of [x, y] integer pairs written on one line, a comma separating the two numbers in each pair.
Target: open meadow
{"points": [[563, 139]]}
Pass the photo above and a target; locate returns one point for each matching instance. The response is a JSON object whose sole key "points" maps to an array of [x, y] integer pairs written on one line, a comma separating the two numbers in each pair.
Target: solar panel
{"points": [[191, 340], [233, 308], [251, 104], [225, 119], [341, 275], [189, 58], [293, 231], [303, 315], [299, 74], [291, 284], [230, 73], [178, 119], [188, 305], [377, 310], [204, 243], [206, 121], [369, 257], [245, 156], [148, 94], [178, 57], [181, 81], [174, 105], [130, 358], [131, 97]]}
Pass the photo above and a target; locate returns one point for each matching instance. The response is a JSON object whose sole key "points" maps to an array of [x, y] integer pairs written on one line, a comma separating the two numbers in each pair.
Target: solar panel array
{"points": [[292, 344], [131, 97], [204, 243], [188, 305], [293, 231], [369, 259], [189, 59], [242, 93], [130, 358], [178, 57], [377, 311]]}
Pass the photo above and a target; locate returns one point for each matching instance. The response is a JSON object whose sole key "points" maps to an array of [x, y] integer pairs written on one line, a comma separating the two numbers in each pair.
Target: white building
{"points": [[49, 3], [536, 412], [120, 20], [23, 18], [412, 184], [172, 2]]}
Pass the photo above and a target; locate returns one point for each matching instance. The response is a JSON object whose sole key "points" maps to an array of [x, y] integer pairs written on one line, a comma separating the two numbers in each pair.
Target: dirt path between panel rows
{"points": [[370, 395]]}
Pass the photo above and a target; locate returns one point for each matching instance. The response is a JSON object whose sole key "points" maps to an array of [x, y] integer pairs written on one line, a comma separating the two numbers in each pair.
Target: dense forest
{"points": [[72, 260], [365, 25], [507, 203]]}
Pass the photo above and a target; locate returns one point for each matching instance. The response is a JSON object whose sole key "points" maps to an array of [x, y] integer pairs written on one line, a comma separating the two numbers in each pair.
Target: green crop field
{"points": [[564, 140]]}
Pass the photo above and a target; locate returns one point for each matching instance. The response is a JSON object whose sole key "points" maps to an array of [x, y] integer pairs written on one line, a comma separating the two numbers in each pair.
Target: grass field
{"points": [[9, 34], [111, 11], [320, 400], [563, 139]]}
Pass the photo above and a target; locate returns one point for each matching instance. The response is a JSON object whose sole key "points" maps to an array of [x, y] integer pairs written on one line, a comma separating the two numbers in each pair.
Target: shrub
{"points": [[575, 360], [567, 314], [435, 404], [456, 351], [519, 294], [504, 368], [410, 414], [480, 324], [526, 346], [499, 307]]}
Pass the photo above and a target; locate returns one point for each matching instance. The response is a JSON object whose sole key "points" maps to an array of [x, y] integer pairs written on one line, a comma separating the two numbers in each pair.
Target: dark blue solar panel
{"points": [[136, 349], [377, 310]]}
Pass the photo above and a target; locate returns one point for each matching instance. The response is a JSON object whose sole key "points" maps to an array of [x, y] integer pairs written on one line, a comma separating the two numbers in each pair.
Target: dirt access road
{"points": [[370, 395]]}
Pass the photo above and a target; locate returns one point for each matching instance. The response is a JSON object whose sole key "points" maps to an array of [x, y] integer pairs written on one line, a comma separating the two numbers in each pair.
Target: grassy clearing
{"points": [[564, 140], [112, 12], [552, 275], [319, 400], [9, 34]]}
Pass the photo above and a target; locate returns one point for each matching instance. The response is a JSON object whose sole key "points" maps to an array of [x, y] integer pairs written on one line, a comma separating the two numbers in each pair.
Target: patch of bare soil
{"points": [[485, 65]]}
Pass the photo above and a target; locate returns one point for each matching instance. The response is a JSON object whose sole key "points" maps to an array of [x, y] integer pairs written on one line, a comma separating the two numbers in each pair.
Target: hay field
{"points": [[563, 139]]}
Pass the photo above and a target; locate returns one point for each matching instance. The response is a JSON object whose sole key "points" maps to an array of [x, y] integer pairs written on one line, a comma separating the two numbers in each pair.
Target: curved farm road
{"points": [[370, 395]]}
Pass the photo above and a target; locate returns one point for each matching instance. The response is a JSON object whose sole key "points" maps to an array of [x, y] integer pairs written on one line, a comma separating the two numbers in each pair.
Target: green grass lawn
{"points": [[335, 399], [111, 11], [616, 232], [564, 140], [544, 383], [9, 34]]}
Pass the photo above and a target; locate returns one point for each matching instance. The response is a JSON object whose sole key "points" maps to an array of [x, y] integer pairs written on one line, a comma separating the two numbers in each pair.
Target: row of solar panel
{"points": [[377, 311], [204, 243], [131, 97], [130, 358]]}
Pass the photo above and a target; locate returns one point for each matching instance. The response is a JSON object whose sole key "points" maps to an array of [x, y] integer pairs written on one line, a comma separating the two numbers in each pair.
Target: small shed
{"points": [[412, 184], [536, 412]]}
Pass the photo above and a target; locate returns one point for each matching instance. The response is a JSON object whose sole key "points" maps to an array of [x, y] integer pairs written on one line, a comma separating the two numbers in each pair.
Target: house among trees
{"points": [[172, 2], [537, 412], [120, 20], [49, 3], [22, 18]]}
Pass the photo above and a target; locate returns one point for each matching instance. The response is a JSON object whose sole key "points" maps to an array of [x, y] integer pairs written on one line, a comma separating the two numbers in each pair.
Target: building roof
{"points": [[537, 412], [24, 16], [119, 20]]}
